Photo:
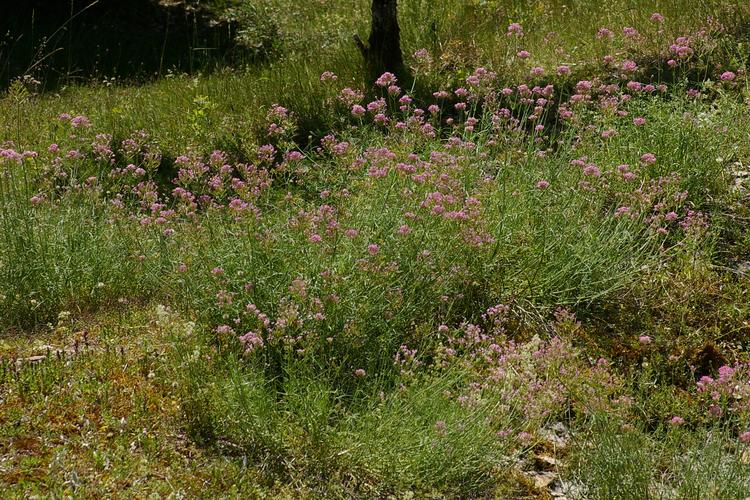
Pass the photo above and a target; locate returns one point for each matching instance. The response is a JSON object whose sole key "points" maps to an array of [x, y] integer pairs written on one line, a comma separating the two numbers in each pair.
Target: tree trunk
{"points": [[383, 52]]}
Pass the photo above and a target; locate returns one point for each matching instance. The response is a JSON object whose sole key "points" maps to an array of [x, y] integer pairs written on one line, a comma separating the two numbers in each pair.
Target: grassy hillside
{"points": [[526, 276]]}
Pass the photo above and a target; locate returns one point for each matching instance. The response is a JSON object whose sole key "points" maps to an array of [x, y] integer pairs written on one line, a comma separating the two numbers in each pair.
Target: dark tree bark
{"points": [[383, 51]]}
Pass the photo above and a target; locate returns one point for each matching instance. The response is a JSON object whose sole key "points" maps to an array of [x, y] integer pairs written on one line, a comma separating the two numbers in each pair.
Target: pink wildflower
{"points": [[80, 121], [251, 341], [386, 80], [629, 66], [422, 56], [725, 372], [592, 170], [634, 86], [619, 213], [327, 75], [515, 29], [584, 86], [715, 410], [648, 158]]}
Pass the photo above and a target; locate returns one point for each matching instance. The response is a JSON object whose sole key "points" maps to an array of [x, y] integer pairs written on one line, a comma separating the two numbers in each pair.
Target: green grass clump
{"points": [[671, 463]]}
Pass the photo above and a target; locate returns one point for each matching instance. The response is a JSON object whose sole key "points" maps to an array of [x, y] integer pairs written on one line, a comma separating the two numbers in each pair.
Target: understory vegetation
{"points": [[524, 276]]}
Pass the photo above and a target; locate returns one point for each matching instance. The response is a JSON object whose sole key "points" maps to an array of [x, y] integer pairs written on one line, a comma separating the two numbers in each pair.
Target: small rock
{"points": [[32, 359], [741, 267], [557, 433], [564, 489], [542, 479], [545, 462]]}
